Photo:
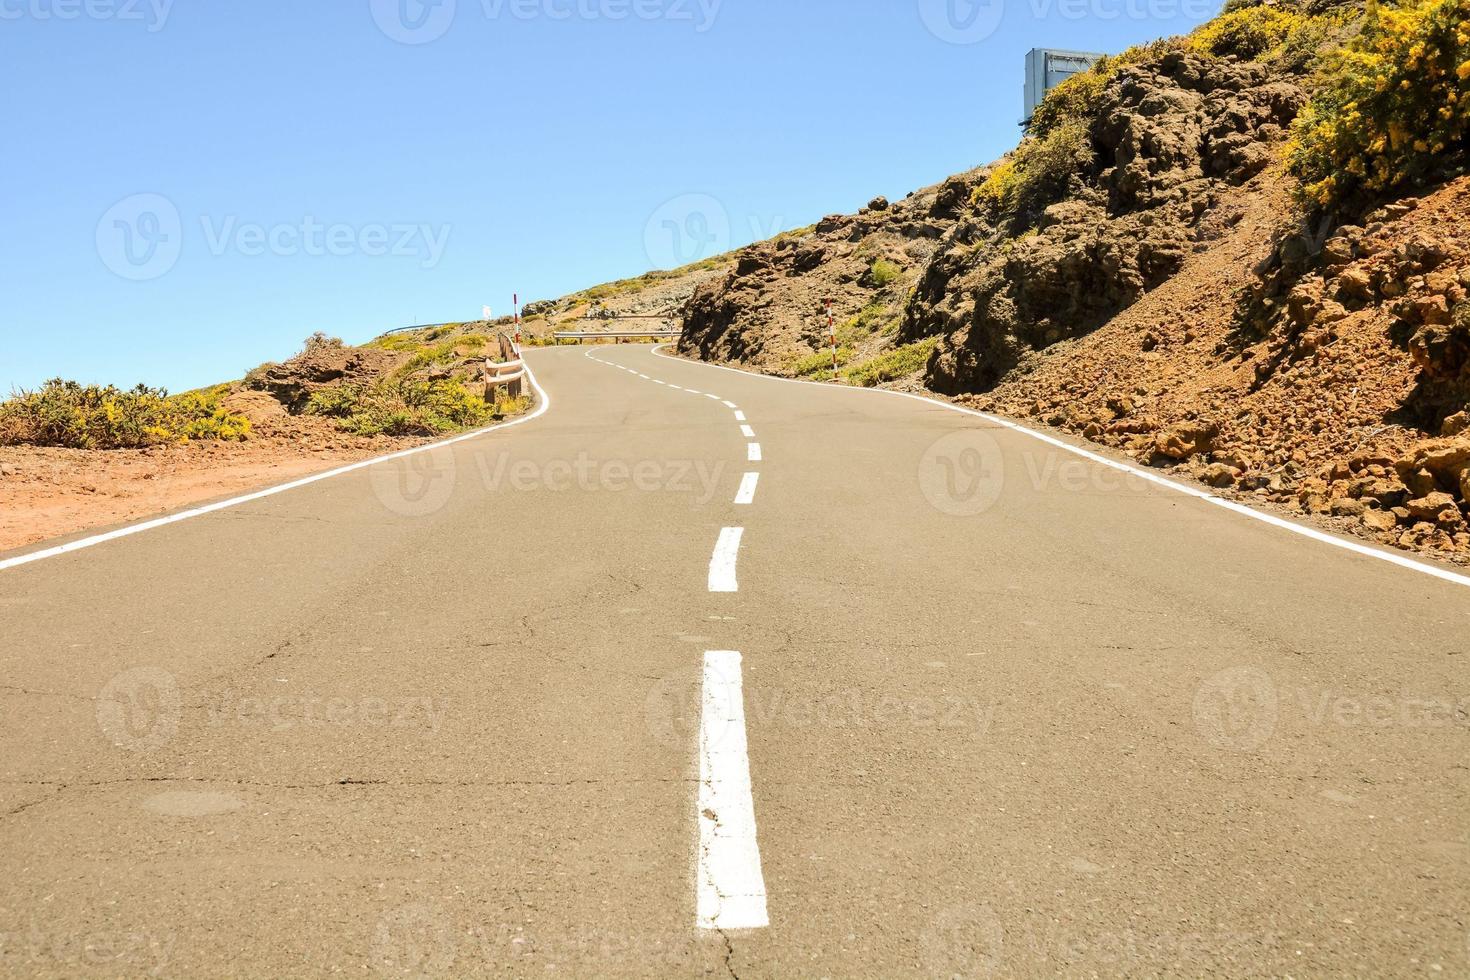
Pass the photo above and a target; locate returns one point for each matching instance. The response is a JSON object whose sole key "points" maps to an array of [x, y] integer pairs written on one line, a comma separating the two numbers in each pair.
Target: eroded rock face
{"points": [[294, 381], [1169, 134], [771, 307]]}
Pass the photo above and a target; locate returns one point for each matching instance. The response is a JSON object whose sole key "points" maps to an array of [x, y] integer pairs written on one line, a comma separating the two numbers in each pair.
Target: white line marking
{"points": [[731, 405], [1393, 558], [715, 397], [722, 563], [693, 392], [747, 489], [544, 403], [739, 416], [747, 432], [731, 890], [754, 453]]}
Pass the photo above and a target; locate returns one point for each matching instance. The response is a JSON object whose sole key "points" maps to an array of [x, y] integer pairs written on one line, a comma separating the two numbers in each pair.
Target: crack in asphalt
{"points": [[45, 694], [63, 787]]}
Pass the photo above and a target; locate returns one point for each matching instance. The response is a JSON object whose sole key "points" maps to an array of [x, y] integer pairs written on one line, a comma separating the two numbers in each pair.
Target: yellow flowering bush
{"points": [[1393, 108], [1249, 32], [66, 413]]}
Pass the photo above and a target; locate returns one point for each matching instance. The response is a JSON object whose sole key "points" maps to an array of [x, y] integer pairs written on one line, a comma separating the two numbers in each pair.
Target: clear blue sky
{"points": [[315, 172]]}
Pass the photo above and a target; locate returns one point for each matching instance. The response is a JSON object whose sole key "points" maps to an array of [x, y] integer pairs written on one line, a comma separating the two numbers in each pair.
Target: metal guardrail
{"points": [[422, 326], [509, 372], [581, 335]]}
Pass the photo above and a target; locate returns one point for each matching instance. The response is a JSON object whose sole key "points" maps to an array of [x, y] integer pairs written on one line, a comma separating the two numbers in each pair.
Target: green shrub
{"points": [[897, 363], [402, 407], [1075, 99], [1392, 110], [1037, 173], [819, 363], [320, 341], [66, 413], [871, 319], [884, 272]]}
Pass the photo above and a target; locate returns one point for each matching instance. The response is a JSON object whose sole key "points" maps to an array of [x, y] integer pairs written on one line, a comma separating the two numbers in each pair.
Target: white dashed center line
{"points": [[731, 888], [747, 489], [722, 564]]}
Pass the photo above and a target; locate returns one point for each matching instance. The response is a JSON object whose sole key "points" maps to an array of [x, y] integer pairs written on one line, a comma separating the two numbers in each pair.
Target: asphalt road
{"points": [[934, 699]]}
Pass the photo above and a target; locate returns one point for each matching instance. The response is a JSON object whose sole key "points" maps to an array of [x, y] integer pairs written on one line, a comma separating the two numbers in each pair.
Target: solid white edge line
{"points": [[1367, 551], [747, 432], [753, 453], [543, 400], [747, 489], [730, 887], [723, 562]]}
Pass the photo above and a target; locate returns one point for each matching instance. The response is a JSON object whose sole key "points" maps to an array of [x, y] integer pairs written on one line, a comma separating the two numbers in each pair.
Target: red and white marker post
{"points": [[832, 335], [515, 299]]}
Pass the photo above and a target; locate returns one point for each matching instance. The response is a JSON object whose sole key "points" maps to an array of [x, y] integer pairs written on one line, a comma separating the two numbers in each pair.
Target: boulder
{"points": [[1430, 507], [1380, 520], [1185, 439]]}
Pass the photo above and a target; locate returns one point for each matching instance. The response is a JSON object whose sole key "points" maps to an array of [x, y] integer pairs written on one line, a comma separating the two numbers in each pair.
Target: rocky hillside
{"points": [[1158, 268]]}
